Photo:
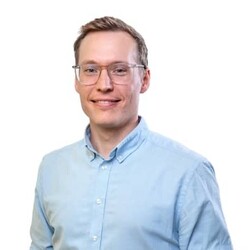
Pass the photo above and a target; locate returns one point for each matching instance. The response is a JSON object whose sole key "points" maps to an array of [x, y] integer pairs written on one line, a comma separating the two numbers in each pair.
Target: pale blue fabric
{"points": [[151, 194]]}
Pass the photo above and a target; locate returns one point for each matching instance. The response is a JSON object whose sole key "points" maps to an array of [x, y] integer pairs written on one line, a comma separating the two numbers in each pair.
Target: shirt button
{"points": [[98, 201], [94, 238], [104, 167]]}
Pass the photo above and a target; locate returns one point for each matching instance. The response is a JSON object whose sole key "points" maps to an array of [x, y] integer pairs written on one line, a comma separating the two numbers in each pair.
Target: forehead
{"points": [[108, 46]]}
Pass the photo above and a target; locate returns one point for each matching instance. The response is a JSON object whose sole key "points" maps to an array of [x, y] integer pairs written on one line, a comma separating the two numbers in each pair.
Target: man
{"points": [[123, 187]]}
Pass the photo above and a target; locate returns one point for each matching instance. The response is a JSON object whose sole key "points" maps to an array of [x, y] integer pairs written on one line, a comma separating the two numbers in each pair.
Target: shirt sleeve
{"points": [[40, 231], [201, 222]]}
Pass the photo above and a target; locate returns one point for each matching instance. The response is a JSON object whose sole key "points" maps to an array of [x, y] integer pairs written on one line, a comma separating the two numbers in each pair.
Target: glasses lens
{"points": [[119, 73], [88, 74]]}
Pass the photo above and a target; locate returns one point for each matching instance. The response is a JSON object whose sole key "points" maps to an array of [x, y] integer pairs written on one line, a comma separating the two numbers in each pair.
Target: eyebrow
{"points": [[94, 62]]}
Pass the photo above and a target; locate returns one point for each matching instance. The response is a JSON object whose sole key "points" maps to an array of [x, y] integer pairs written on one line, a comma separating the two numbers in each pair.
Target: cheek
{"points": [[133, 94], [136, 88], [83, 97]]}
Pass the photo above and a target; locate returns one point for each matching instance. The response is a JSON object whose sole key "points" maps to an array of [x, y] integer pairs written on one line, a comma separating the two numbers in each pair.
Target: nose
{"points": [[104, 82]]}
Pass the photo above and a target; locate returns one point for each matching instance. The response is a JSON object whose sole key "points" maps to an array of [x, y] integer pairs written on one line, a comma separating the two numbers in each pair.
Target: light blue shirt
{"points": [[151, 194]]}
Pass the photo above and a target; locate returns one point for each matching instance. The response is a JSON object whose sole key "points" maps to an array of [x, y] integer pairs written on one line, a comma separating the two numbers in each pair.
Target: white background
{"points": [[199, 56]]}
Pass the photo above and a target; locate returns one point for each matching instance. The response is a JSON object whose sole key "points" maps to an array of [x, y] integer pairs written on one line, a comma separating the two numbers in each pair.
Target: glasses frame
{"points": [[77, 69]]}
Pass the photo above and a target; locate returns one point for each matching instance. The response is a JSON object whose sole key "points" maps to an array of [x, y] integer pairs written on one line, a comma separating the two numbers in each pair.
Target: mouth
{"points": [[105, 102]]}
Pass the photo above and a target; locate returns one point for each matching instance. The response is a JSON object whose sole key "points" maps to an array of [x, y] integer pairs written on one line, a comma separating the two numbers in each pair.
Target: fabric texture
{"points": [[151, 194]]}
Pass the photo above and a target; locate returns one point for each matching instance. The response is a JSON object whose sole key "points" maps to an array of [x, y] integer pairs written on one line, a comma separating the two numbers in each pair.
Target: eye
{"points": [[119, 69], [90, 69]]}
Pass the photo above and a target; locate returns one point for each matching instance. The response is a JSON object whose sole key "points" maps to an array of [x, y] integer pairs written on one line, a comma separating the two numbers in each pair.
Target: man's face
{"points": [[109, 105]]}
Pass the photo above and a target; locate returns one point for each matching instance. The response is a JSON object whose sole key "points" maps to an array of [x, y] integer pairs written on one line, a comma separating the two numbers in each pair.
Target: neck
{"points": [[104, 140]]}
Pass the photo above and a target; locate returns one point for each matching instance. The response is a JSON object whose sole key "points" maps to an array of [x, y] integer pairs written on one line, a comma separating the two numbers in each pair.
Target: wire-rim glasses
{"points": [[119, 73]]}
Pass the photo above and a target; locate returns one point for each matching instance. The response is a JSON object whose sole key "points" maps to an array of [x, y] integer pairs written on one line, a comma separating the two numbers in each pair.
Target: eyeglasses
{"points": [[119, 73]]}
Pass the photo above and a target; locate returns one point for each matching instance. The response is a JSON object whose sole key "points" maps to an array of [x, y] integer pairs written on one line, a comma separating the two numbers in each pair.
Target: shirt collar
{"points": [[126, 147]]}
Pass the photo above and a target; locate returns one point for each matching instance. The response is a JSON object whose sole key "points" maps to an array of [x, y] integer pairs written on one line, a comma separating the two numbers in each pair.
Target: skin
{"points": [[112, 109]]}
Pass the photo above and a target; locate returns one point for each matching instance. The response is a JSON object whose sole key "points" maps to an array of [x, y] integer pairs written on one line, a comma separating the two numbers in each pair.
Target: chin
{"points": [[109, 123]]}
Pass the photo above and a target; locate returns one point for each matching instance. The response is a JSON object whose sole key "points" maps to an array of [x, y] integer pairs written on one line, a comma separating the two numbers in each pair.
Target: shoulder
{"points": [[175, 153], [63, 154], [165, 143], [165, 150], [65, 149]]}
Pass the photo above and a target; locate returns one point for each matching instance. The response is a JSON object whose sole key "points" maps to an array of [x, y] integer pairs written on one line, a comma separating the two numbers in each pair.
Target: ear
{"points": [[145, 81]]}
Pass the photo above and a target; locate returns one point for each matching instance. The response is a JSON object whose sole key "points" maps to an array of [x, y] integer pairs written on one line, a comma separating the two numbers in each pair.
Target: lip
{"points": [[105, 102]]}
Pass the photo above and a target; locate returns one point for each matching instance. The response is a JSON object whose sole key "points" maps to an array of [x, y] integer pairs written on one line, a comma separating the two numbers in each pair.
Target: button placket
{"points": [[102, 180]]}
